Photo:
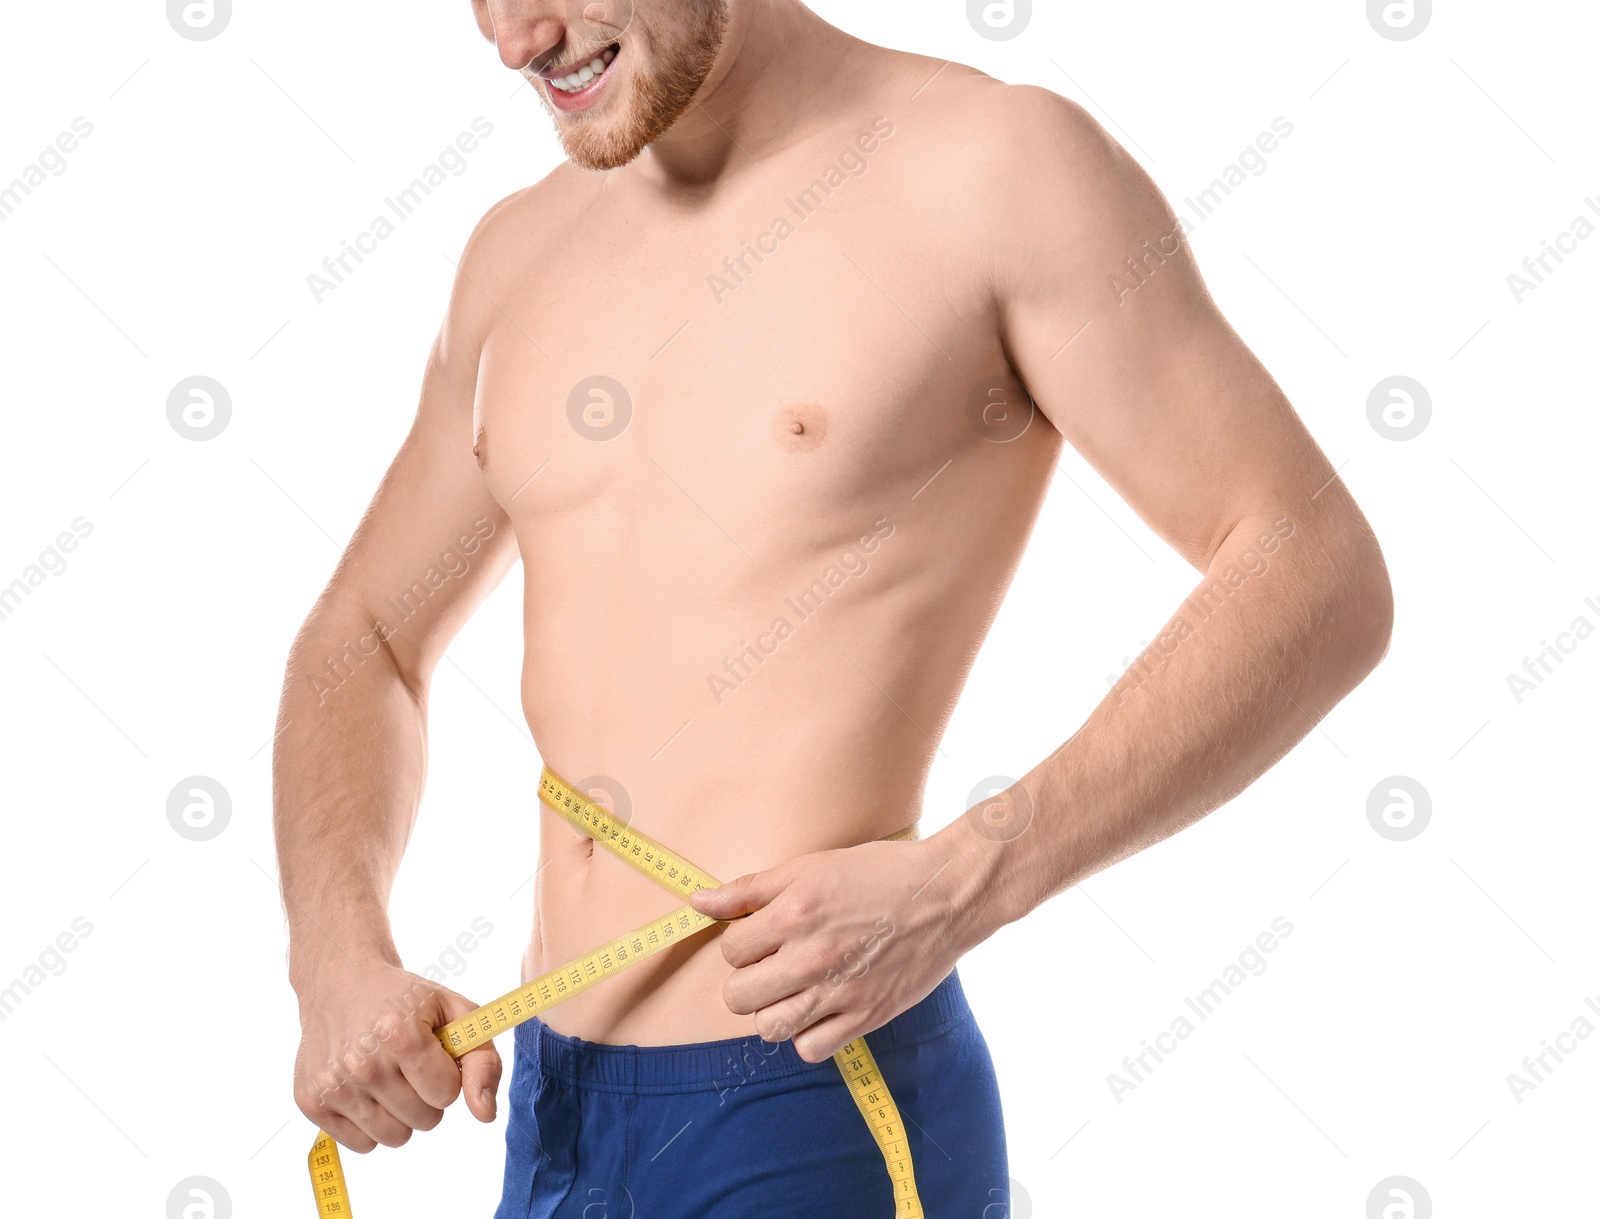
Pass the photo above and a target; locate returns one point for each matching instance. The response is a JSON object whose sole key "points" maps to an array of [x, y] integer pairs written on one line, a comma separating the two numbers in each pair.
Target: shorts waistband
{"points": [[718, 1065]]}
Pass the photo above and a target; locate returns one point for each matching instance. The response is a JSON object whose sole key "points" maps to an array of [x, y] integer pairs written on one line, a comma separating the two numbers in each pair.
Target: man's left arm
{"points": [[1293, 608], [1164, 399]]}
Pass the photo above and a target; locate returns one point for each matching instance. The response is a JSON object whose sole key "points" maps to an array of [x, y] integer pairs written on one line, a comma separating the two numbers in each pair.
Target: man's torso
{"points": [[758, 572]]}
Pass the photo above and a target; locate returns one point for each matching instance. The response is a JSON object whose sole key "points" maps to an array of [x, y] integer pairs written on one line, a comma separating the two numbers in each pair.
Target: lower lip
{"points": [[584, 97]]}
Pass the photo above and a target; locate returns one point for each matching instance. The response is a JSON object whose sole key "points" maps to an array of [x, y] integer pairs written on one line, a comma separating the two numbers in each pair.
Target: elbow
{"points": [[1364, 605], [1375, 624]]}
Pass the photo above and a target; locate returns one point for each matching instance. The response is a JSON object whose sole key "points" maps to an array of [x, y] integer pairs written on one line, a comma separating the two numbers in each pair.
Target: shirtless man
{"points": [[742, 384]]}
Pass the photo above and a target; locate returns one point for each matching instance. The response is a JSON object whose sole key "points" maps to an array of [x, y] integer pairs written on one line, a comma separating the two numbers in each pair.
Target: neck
{"points": [[777, 60]]}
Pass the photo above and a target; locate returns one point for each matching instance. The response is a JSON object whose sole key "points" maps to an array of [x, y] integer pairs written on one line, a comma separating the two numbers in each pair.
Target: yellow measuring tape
{"points": [[677, 874]]}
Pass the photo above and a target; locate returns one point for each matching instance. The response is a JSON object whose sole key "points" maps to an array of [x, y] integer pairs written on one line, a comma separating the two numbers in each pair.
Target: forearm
{"points": [[348, 768], [1241, 672]]}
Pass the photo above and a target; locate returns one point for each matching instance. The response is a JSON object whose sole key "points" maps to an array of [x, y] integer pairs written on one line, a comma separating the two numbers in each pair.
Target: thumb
{"points": [[480, 1068], [738, 897]]}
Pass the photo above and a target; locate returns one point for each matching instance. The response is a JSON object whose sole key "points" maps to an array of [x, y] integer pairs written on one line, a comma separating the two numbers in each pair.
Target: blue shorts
{"points": [[743, 1127]]}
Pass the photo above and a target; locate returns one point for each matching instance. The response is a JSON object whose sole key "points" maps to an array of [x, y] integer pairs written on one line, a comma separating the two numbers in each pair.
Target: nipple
{"points": [[800, 428]]}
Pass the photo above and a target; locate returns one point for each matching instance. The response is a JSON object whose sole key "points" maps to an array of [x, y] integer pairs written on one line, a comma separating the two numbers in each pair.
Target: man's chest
{"points": [[780, 355]]}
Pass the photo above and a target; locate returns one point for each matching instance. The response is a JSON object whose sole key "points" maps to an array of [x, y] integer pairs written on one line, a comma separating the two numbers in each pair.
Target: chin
{"points": [[599, 148], [646, 95]]}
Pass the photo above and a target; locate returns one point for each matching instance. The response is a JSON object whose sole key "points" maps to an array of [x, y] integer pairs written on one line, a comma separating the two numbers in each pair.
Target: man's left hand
{"points": [[832, 945]]}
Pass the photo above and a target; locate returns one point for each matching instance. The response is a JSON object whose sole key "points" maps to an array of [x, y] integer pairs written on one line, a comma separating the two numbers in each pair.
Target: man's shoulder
{"points": [[1027, 172], [527, 216], [511, 235], [1020, 138], [999, 155], [1008, 117]]}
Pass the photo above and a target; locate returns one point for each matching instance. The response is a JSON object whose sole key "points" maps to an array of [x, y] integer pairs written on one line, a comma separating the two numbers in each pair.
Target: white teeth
{"points": [[585, 75]]}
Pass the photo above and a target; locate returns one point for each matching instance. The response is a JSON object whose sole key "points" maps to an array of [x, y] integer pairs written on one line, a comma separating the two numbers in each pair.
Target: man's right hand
{"points": [[371, 1068]]}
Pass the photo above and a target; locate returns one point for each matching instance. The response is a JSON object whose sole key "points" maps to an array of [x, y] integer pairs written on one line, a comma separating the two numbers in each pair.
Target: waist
{"points": [[587, 894], [726, 828], [723, 1063]]}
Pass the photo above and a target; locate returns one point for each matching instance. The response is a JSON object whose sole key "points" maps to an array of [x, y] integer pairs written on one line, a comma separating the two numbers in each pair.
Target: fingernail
{"points": [[486, 1095]]}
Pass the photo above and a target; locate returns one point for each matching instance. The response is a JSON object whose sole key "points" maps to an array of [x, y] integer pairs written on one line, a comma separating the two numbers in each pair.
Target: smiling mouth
{"points": [[581, 77]]}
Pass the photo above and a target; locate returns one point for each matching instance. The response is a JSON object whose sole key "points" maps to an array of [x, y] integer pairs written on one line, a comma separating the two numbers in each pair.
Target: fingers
{"points": [[351, 1113], [764, 984], [388, 1081], [477, 1077], [428, 1069], [767, 930], [347, 1134], [395, 1095], [742, 896], [751, 940], [398, 1079], [374, 1120], [480, 1080], [725, 901], [797, 1014], [823, 1039], [368, 1103]]}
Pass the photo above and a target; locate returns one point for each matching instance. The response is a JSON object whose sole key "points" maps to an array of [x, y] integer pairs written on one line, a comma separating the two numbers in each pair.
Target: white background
{"points": [[1377, 242]]}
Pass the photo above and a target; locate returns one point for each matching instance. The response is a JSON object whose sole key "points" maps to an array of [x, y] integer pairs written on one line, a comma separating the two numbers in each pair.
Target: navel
{"points": [[480, 448]]}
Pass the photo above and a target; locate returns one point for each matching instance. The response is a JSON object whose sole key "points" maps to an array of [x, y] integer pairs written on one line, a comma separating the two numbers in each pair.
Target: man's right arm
{"points": [[351, 756]]}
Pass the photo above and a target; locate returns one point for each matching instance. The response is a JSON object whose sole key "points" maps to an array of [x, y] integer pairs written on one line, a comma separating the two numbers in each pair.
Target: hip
{"points": [[736, 1126]]}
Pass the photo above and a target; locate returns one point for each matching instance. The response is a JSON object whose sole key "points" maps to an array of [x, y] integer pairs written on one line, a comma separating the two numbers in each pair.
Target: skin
{"points": [[825, 398]]}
